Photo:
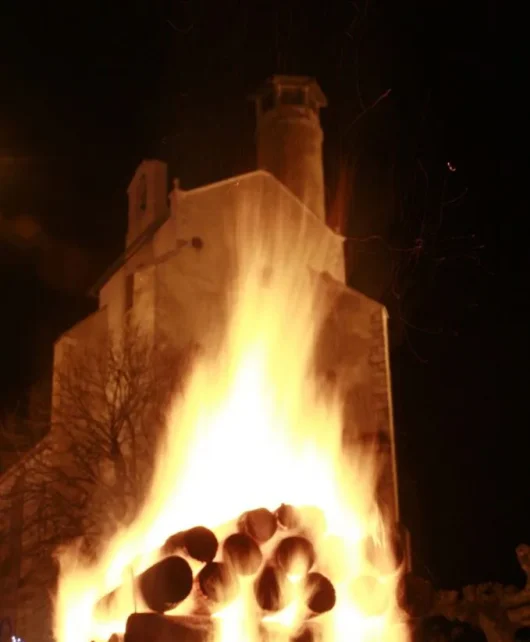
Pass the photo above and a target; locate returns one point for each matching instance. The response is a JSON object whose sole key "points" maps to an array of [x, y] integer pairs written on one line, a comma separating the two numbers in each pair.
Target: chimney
{"points": [[289, 136]]}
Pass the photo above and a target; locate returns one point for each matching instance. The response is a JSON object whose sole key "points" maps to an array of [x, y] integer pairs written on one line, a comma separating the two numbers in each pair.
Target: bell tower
{"points": [[289, 137], [148, 201]]}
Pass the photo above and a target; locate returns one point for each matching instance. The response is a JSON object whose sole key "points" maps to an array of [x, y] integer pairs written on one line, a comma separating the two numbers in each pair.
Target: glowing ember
{"points": [[253, 447]]}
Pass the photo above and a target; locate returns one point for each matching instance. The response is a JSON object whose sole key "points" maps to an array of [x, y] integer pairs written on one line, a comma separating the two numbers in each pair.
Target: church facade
{"points": [[179, 249]]}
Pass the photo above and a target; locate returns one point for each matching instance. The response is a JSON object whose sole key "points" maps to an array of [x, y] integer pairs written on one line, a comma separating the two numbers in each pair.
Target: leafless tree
{"points": [[91, 470]]}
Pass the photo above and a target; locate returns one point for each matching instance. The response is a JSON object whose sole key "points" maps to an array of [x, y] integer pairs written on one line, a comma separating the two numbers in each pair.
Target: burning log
{"points": [[321, 593], [218, 582], [308, 517], [260, 524], [370, 596], [295, 555], [162, 586], [142, 627], [268, 590], [287, 516], [166, 583], [242, 553], [199, 542], [415, 595]]}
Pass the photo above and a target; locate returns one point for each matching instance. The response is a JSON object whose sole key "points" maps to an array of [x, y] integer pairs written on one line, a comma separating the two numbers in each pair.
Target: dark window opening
{"points": [[129, 291], [293, 96]]}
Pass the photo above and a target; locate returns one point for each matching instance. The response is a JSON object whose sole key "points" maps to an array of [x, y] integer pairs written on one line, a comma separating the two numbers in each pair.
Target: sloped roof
{"points": [[151, 230], [247, 177]]}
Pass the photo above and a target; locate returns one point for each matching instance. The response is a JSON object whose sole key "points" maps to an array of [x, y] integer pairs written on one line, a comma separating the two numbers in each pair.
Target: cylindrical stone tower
{"points": [[289, 136]]}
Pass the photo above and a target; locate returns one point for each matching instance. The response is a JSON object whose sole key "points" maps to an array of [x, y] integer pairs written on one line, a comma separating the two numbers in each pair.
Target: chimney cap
{"points": [[293, 82]]}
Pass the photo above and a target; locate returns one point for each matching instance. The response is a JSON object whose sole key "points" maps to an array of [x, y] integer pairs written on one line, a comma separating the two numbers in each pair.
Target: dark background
{"points": [[89, 89]]}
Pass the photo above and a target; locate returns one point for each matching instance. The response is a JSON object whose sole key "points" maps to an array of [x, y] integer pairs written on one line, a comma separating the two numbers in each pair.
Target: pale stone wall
{"points": [[353, 355], [144, 299], [25, 588], [195, 250], [26, 596], [189, 260], [212, 214], [324, 248], [29, 606], [33, 619], [112, 298], [91, 331], [10, 542], [147, 198]]}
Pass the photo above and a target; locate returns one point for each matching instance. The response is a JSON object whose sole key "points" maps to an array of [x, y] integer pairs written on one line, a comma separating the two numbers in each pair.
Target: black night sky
{"points": [[88, 90]]}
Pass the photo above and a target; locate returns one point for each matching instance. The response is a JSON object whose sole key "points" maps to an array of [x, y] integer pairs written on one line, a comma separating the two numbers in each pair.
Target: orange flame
{"points": [[253, 430]]}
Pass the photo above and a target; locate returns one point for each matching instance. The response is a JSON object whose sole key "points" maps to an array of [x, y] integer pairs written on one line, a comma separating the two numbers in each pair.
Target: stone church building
{"points": [[174, 269]]}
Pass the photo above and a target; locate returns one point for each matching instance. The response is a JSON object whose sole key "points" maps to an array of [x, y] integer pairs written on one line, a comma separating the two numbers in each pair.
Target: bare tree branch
{"points": [[91, 471]]}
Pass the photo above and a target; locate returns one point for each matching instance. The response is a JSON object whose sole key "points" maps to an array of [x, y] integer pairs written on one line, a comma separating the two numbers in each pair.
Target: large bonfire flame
{"points": [[252, 431]]}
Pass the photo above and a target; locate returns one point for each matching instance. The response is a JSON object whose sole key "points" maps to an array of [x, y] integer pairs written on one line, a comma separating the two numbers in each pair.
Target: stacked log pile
{"points": [[249, 552], [487, 612]]}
